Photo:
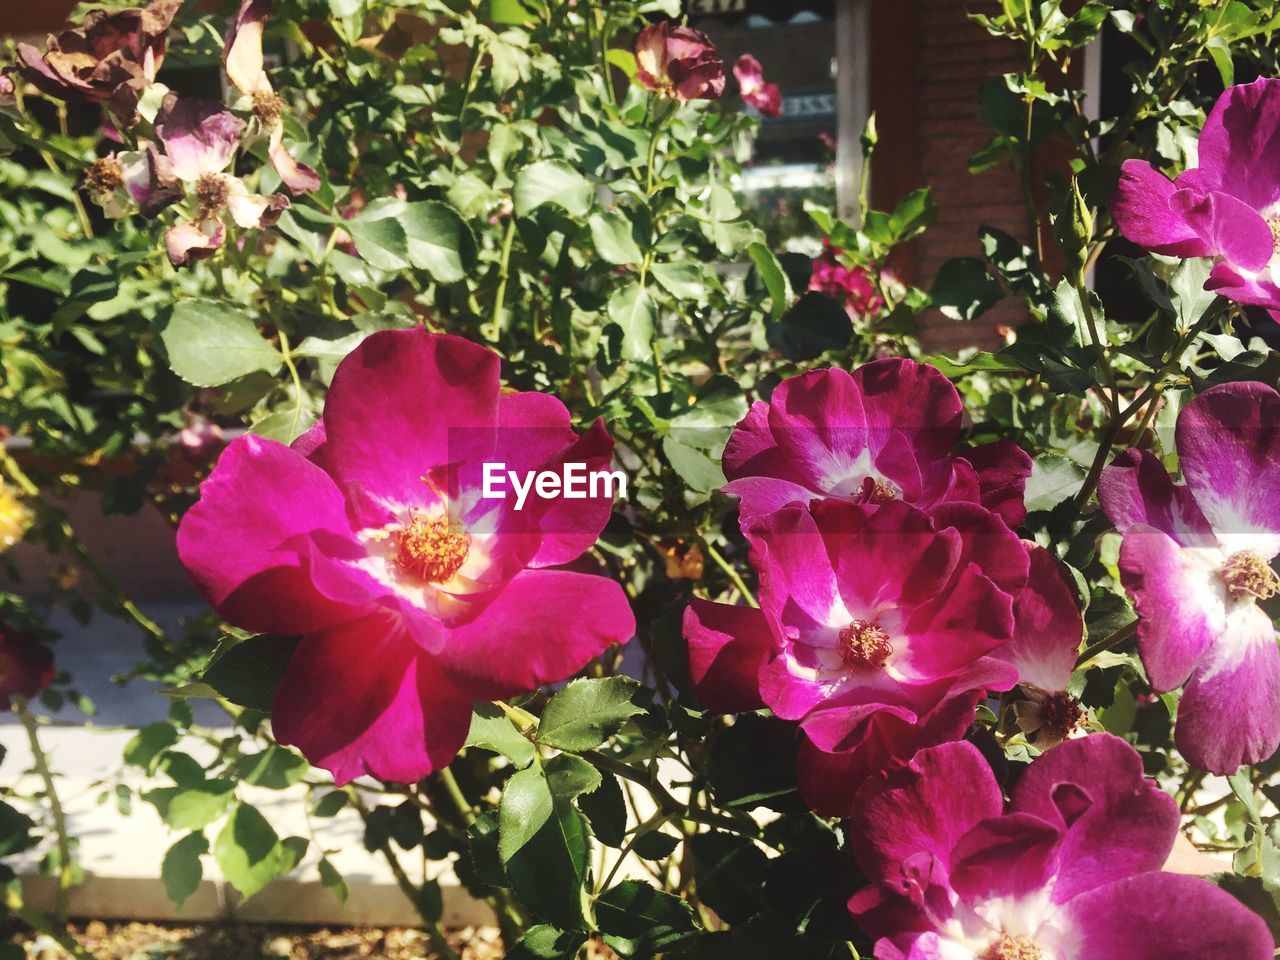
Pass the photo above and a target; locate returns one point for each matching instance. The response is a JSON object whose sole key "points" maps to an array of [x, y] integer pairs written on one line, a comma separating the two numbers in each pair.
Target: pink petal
{"points": [[1230, 227], [396, 405], [247, 542], [185, 242], [298, 177], [1239, 138], [1228, 714], [542, 627], [242, 52], [199, 136], [1178, 600], [1136, 489], [362, 699], [728, 645], [1115, 821], [1003, 468], [1144, 211], [1048, 627], [914, 399], [1229, 446], [924, 808], [1162, 916], [1011, 856]]}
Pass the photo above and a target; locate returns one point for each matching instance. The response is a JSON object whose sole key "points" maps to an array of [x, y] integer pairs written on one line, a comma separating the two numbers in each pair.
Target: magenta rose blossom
{"points": [[1196, 559], [885, 432], [851, 287], [1069, 869], [111, 58], [879, 629], [755, 92], [26, 665], [678, 62], [413, 593], [1227, 208]]}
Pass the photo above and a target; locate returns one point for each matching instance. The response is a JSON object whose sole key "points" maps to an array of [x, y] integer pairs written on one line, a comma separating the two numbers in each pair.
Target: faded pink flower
{"points": [[200, 140], [111, 58], [755, 92], [851, 287], [242, 59], [26, 665], [678, 62]]}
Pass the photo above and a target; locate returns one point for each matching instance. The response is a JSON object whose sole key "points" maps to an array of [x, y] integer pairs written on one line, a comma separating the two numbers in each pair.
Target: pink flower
{"points": [[242, 59], [678, 62], [111, 58], [879, 628], [1228, 207], [851, 287], [200, 140], [1196, 559], [885, 432], [765, 97], [413, 594], [26, 665], [123, 182], [1069, 868]]}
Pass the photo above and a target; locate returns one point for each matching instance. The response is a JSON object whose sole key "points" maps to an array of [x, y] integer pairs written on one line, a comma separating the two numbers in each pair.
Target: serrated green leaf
{"points": [[555, 182], [774, 278], [248, 851], [586, 713], [491, 729], [613, 238], [210, 343], [181, 870]]}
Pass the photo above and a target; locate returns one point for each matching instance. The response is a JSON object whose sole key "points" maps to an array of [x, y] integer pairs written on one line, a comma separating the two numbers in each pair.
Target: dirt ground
{"points": [[151, 941]]}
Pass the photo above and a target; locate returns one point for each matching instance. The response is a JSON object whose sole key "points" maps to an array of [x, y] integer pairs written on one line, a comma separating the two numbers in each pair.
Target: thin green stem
{"points": [[734, 577], [62, 837], [72, 542], [406, 885], [299, 394], [504, 274], [1108, 642]]}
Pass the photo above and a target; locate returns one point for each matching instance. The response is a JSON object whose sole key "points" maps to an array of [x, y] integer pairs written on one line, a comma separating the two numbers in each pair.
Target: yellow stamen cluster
{"points": [[864, 644], [104, 177], [881, 493], [211, 193], [268, 106], [431, 548], [1012, 948], [1249, 576]]}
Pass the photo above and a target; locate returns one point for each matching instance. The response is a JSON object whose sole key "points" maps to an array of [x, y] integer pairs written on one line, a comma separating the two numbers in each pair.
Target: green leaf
{"points": [[544, 942], [210, 343], [684, 280], [729, 871], [552, 181], [275, 768], [248, 672], [606, 811], [492, 729], [700, 473], [543, 844], [613, 237], [380, 239], [330, 804], [194, 807], [568, 776], [586, 713], [15, 831], [655, 845], [774, 277], [248, 851], [332, 879], [639, 920], [145, 746], [964, 289], [631, 308], [439, 241], [181, 870], [1053, 479], [815, 324]]}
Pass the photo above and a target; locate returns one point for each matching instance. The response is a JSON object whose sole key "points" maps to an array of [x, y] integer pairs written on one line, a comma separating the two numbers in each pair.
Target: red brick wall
{"points": [[928, 60]]}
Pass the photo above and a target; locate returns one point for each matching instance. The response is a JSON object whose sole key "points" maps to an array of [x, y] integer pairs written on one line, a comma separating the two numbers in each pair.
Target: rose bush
{"points": [[877, 652]]}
